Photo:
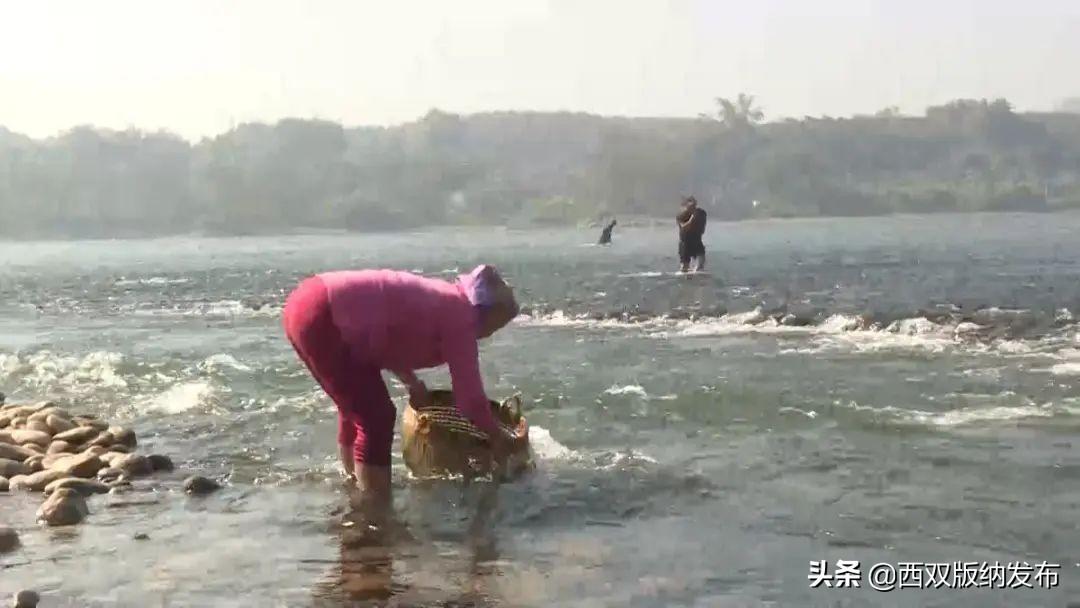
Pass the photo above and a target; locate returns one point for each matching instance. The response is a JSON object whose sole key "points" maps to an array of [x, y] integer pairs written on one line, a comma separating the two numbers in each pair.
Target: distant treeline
{"points": [[524, 169]]}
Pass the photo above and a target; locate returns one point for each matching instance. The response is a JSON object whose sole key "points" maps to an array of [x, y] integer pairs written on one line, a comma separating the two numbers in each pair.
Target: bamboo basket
{"points": [[438, 441]]}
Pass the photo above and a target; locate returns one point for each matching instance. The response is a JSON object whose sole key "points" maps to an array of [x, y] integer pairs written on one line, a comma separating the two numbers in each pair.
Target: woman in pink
{"points": [[348, 326]]}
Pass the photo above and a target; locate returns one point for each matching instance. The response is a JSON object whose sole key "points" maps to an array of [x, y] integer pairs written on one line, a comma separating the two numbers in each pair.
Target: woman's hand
{"points": [[505, 443]]}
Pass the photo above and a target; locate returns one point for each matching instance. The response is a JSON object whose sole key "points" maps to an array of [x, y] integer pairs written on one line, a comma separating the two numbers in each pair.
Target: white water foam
{"points": [[179, 398], [218, 309], [964, 416], [1013, 347], [545, 447], [882, 341], [838, 333], [559, 318], [811, 414], [969, 416], [614, 460], [122, 282], [1066, 369], [220, 361], [630, 389], [47, 370], [839, 323]]}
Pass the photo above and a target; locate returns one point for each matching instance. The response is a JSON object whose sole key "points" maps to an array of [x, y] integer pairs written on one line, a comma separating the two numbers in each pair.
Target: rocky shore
{"points": [[69, 459]]}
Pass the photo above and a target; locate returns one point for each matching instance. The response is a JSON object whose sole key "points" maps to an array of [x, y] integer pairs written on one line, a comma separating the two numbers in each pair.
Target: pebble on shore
{"points": [[64, 507], [43, 448], [25, 599], [200, 485], [9, 539]]}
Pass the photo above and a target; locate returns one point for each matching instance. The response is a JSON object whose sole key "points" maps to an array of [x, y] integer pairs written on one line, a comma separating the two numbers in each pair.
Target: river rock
{"points": [[64, 507], [79, 465], [34, 448], [34, 464], [97, 425], [78, 435], [133, 464], [60, 447], [104, 439], [793, 320], [110, 457], [11, 468], [4, 484], [26, 436], [50, 410], [40, 426], [160, 462], [26, 599], [37, 481], [50, 459], [18, 422], [200, 485], [14, 452], [41, 406], [86, 487], [58, 423], [95, 450], [124, 436], [109, 475], [120, 486], [9, 539], [119, 448]]}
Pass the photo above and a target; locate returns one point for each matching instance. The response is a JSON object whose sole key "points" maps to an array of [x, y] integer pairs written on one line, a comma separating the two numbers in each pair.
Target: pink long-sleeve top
{"points": [[402, 322]]}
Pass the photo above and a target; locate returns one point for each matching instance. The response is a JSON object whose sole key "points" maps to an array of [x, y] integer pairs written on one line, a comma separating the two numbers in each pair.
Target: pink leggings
{"points": [[366, 414]]}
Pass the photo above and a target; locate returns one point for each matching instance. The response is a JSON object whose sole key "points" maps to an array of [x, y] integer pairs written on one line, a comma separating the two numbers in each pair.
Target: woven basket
{"points": [[438, 440]]}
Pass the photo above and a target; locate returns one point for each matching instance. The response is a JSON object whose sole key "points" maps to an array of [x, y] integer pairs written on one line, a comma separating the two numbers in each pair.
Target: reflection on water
{"points": [[380, 559]]}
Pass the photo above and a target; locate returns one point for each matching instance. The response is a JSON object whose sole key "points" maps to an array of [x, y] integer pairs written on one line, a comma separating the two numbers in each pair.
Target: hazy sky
{"points": [[196, 67]]}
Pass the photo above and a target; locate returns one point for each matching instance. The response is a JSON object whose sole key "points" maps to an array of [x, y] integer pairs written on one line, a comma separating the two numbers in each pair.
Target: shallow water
{"points": [[920, 405]]}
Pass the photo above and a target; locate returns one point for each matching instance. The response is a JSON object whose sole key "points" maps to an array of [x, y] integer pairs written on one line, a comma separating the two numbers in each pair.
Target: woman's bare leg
{"points": [[373, 481], [346, 454], [371, 498]]}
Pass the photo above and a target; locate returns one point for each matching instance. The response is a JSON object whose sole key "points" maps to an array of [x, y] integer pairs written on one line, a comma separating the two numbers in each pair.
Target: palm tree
{"points": [[738, 114]]}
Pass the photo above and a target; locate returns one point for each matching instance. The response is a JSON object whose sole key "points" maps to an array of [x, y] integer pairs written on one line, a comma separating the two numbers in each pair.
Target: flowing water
{"points": [[885, 390]]}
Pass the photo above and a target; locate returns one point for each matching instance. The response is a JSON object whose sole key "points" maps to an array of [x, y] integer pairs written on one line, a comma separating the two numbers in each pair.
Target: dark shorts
{"points": [[690, 249]]}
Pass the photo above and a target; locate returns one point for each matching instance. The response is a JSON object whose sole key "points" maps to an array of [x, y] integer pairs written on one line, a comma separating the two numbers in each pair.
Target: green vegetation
{"points": [[534, 169]]}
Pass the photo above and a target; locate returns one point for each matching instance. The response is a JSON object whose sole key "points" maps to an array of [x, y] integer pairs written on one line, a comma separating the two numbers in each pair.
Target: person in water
{"points": [[605, 236], [348, 326], [691, 221]]}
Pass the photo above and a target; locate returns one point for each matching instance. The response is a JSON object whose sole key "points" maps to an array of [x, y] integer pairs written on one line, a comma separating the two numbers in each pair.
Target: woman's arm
{"points": [[462, 356]]}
